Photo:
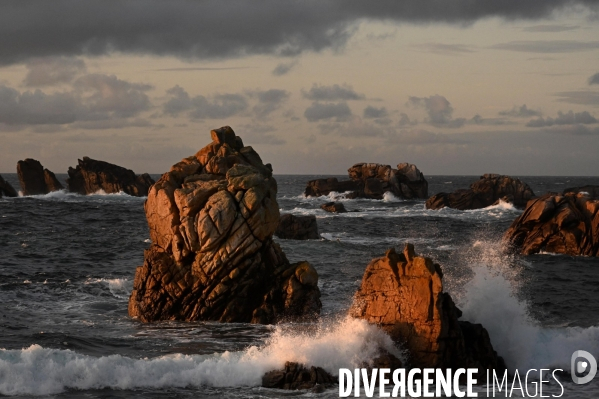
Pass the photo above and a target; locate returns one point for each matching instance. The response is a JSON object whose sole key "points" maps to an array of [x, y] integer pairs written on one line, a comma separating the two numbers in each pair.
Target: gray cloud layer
{"points": [[594, 80], [332, 93], [569, 118], [439, 111], [520, 112], [201, 29], [321, 111]]}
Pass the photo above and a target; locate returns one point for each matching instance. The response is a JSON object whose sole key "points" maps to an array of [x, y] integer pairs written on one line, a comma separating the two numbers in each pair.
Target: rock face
{"points": [[334, 207], [403, 294], [211, 220], [566, 224], [592, 191], [6, 189], [373, 180], [91, 175], [34, 179], [293, 227], [297, 376], [483, 193]]}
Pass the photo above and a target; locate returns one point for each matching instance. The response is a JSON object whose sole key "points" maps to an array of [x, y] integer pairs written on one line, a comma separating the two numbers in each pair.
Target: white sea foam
{"points": [[390, 197], [64, 195], [119, 287], [42, 371]]}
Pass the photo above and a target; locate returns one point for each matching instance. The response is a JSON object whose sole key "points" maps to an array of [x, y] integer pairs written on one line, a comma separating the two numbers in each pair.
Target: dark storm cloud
{"points": [[321, 111], [216, 29], [332, 93], [568, 118], [371, 112], [548, 46], [579, 97], [218, 106], [520, 112], [594, 80], [439, 111], [550, 28], [52, 70]]}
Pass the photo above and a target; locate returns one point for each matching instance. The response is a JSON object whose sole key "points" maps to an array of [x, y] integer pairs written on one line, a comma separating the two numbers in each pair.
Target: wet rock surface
{"points": [[592, 191], [91, 176], [297, 376], [565, 224], [292, 227], [373, 180], [403, 294], [211, 220], [333, 207], [487, 191], [6, 189], [34, 179]]}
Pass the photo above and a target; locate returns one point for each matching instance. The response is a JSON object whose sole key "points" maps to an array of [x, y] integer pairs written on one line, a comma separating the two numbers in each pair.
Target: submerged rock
{"points": [[373, 180], [293, 227], [34, 179], [297, 376], [91, 176], [403, 295], [565, 224], [211, 220], [6, 189], [487, 191], [333, 207]]}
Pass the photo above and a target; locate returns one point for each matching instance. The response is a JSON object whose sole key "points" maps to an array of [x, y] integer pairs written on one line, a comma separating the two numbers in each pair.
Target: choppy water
{"points": [[67, 263]]}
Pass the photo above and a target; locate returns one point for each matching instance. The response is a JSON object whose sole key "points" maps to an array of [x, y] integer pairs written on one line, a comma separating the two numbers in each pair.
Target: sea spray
{"points": [[334, 344]]}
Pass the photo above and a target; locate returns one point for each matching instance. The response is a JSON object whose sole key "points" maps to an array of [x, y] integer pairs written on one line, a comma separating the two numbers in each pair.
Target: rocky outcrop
{"points": [[6, 189], [373, 180], [565, 224], [486, 191], [293, 227], [333, 207], [91, 176], [403, 294], [297, 376], [34, 179], [592, 191], [211, 220]]}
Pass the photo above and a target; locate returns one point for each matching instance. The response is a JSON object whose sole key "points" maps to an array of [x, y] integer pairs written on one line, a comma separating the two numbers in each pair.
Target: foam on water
{"points": [[41, 371], [64, 195]]}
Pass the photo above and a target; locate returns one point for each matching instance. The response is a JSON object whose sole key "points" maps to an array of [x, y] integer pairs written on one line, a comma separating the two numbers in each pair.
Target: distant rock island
{"points": [[34, 179], [373, 180], [6, 189], [487, 191], [211, 220]]}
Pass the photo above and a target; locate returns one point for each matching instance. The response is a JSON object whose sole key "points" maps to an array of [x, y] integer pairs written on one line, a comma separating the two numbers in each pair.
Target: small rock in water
{"points": [[297, 376]]}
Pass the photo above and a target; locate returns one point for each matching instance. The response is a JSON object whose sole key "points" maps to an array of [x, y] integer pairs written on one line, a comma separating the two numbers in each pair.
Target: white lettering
{"points": [[383, 380], [399, 381], [369, 385], [414, 383], [344, 374]]}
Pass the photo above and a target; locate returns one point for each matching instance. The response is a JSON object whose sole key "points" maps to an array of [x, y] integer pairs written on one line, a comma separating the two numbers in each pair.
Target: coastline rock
{"points": [[333, 207], [293, 227], [297, 376], [91, 175], [486, 191], [373, 180], [403, 295], [592, 191], [34, 179], [565, 224], [211, 221], [6, 189]]}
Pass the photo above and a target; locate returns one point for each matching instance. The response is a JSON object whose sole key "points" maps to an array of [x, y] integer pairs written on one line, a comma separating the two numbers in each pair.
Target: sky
{"points": [[455, 86]]}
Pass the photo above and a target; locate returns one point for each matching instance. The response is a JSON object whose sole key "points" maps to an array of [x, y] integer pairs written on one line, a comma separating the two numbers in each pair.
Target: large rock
{"points": [[403, 294], [297, 376], [486, 191], [373, 180], [34, 179], [91, 176], [211, 221], [6, 189], [592, 191], [566, 224], [293, 227]]}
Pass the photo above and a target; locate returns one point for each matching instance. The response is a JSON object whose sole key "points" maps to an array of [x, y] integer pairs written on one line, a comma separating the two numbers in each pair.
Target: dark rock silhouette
{"points": [[91, 175], [34, 179], [334, 207], [293, 227], [297, 376], [211, 220], [373, 180], [403, 294], [593, 191], [6, 189], [566, 224], [486, 191]]}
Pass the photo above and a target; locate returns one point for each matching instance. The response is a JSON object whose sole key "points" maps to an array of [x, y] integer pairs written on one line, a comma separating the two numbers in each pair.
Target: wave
{"points": [[339, 343], [118, 287], [64, 195]]}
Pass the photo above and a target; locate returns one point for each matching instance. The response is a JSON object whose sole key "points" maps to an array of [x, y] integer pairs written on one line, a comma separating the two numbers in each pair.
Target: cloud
{"points": [[548, 46], [52, 70], [218, 106], [268, 101], [320, 111], [573, 130], [479, 120], [551, 28], [594, 80], [569, 118], [520, 112], [261, 134], [332, 93], [579, 97], [371, 112], [445, 49], [284, 68], [439, 111]]}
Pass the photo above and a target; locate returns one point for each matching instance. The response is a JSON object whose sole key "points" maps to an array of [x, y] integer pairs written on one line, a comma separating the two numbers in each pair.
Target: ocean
{"points": [[67, 264]]}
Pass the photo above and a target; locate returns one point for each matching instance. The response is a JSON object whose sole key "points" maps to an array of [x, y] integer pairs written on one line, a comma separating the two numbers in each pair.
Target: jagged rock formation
{"points": [[592, 191], [91, 175], [297, 376], [211, 220], [34, 179], [373, 180], [566, 224], [403, 294], [483, 193], [333, 207], [293, 227], [6, 189]]}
